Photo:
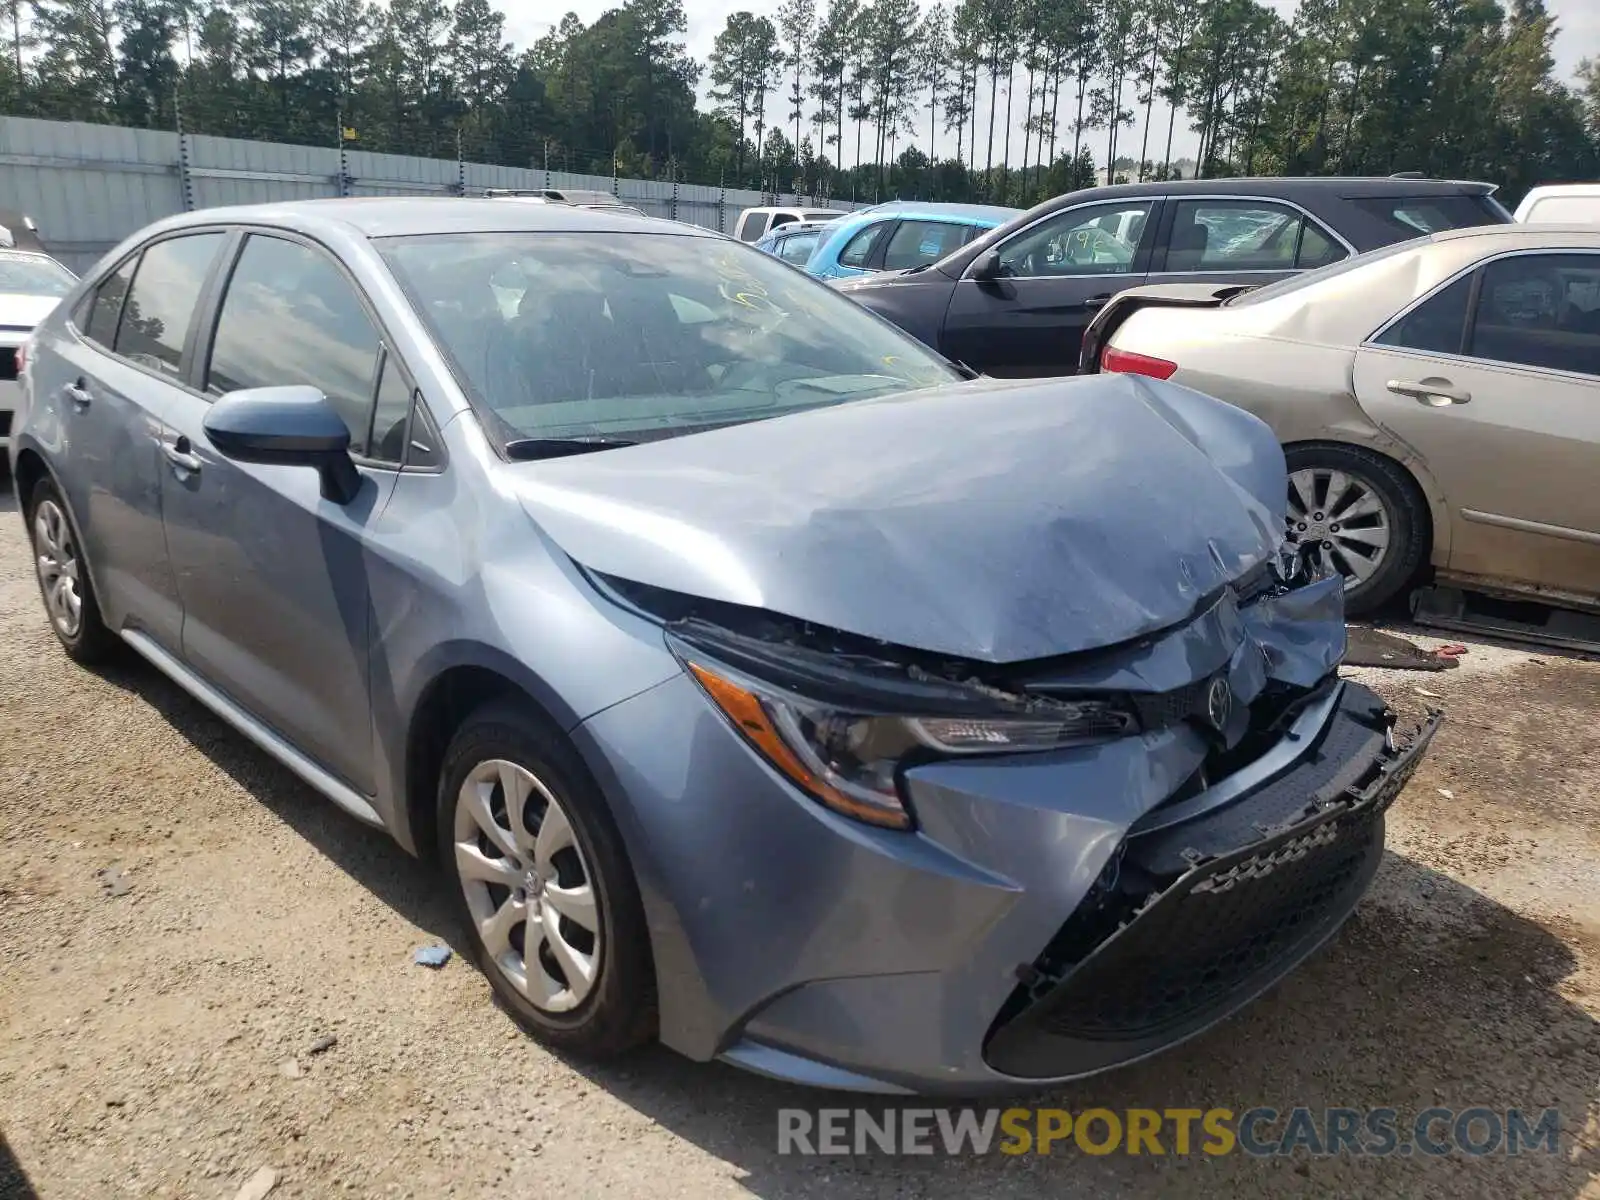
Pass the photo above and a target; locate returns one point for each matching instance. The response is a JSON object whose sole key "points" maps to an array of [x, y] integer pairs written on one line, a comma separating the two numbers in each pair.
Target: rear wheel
{"points": [[543, 885], [1359, 514], [64, 583]]}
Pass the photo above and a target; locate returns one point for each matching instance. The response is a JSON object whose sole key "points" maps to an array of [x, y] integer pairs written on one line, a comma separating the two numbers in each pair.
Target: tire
{"points": [[1402, 515], [616, 1010], [69, 598]]}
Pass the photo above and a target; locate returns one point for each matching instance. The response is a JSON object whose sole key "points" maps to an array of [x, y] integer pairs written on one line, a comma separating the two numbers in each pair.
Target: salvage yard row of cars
{"points": [[765, 681]]}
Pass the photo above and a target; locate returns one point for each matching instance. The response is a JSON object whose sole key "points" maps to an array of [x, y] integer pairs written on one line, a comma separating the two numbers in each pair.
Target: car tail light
{"points": [[1129, 363], [22, 359]]}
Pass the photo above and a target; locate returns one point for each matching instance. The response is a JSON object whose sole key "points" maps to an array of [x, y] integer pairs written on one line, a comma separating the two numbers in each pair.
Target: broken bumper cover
{"points": [[1257, 885], [833, 955]]}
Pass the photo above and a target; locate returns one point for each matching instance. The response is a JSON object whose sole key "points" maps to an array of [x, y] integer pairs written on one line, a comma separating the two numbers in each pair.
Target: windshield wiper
{"points": [[533, 449]]}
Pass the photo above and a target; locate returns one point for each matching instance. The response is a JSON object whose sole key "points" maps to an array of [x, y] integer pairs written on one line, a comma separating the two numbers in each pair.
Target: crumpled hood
{"points": [[993, 520]]}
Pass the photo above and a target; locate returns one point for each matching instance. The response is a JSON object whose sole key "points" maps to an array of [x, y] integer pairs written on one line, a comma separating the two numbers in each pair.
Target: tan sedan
{"points": [[1438, 401]]}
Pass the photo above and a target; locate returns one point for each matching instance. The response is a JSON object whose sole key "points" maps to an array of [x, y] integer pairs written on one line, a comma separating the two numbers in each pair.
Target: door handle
{"points": [[79, 395], [1097, 301], [180, 455], [1435, 393]]}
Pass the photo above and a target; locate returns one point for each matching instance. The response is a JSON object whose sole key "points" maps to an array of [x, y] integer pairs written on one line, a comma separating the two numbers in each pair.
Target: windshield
{"points": [[566, 335], [30, 275]]}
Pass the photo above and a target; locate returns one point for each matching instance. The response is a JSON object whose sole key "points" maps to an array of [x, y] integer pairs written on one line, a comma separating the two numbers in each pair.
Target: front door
{"points": [[273, 577], [1054, 276], [1495, 380]]}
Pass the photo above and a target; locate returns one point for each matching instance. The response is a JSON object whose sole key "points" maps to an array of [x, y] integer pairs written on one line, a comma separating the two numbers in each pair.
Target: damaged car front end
{"points": [[884, 865]]}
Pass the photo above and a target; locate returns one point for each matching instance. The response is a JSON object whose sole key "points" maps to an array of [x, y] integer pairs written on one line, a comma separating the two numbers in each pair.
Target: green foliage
{"points": [[1462, 88]]}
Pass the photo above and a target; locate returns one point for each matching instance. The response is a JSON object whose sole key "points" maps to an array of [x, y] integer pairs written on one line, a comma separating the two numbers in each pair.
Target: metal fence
{"points": [[89, 186]]}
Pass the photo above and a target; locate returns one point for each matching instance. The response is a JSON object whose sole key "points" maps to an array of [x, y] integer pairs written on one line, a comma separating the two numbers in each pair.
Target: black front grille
{"points": [[1201, 946], [1190, 921]]}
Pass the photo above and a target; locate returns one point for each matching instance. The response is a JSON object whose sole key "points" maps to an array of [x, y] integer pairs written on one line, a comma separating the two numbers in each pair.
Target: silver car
{"points": [[762, 684], [1439, 402], [31, 284]]}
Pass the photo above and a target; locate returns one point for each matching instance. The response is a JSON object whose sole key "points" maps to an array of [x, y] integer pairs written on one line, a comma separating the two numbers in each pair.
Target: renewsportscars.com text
{"points": [[1258, 1132]]}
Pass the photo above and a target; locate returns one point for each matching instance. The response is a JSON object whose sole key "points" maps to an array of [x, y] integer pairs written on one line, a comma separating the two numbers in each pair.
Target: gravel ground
{"points": [[183, 925]]}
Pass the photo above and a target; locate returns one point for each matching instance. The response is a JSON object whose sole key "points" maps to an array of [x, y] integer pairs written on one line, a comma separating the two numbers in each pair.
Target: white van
{"points": [[755, 223], [1562, 204]]}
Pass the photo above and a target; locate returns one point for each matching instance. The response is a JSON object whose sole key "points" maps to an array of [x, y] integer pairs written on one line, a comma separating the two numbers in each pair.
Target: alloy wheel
{"points": [[1343, 518], [56, 559], [528, 887]]}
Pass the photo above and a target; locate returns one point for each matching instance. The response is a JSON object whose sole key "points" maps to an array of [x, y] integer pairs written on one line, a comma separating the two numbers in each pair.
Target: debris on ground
{"points": [[114, 881], [432, 956], [323, 1044], [290, 1068], [1366, 647], [258, 1185]]}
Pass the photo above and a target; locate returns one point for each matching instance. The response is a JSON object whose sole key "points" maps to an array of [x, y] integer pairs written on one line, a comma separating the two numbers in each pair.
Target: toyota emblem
{"points": [[1219, 704]]}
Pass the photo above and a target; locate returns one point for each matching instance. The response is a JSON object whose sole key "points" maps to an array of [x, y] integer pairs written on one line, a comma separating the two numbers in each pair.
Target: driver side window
{"points": [[1099, 240], [290, 316]]}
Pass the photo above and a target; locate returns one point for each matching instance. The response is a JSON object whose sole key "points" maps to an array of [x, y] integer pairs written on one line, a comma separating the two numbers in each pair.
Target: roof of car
{"points": [[933, 208], [397, 216], [1523, 229], [1344, 185]]}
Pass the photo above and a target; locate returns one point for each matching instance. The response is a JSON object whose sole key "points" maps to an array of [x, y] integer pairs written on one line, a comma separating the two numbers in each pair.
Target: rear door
{"points": [[113, 387], [1495, 380], [1054, 276], [273, 576]]}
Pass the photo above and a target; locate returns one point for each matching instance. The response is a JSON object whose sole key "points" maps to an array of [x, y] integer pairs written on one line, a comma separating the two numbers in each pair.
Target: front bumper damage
{"points": [[1200, 911], [1053, 914]]}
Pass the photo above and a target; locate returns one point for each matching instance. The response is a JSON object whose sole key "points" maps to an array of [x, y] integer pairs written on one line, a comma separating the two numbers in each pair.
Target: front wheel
{"points": [[1359, 514], [543, 885]]}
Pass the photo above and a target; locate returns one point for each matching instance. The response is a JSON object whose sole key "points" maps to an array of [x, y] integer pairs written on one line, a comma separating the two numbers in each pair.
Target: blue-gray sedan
{"points": [[763, 684]]}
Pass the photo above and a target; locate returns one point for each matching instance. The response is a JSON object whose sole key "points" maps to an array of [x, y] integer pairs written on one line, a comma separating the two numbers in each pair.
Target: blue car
{"points": [[899, 236], [760, 682], [794, 242]]}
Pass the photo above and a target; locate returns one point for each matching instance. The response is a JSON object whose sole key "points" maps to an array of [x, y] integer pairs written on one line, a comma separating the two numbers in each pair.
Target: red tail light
{"points": [[22, 359], [1129, 363]]}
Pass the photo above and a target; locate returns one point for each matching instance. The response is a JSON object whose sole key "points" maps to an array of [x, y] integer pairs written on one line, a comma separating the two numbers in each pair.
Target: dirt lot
{"points": [[182, 924]]}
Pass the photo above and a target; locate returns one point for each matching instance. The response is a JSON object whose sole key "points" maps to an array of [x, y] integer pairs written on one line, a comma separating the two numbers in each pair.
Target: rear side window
{"points": [[291, 317], [797, 249], [161, 304], [1415, 216], [917, 243], [106, 308], [753, 226], [1437, 325], [1246, 235], [1540, 310]]}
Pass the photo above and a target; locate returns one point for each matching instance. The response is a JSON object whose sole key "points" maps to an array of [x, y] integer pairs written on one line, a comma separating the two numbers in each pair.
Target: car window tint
{"points": [[1540, 310], [859, 248], [107, 309], [1418, 215], [916, 243], [291, 317], [797, 249], [392, 413], [161, 303], [1436, 325], [1099, 240], [754, 226], [1317, 247], [1233, 235]]}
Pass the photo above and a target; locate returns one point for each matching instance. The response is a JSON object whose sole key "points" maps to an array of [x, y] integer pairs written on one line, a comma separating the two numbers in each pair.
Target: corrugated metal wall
{"points": [[89, 186]]}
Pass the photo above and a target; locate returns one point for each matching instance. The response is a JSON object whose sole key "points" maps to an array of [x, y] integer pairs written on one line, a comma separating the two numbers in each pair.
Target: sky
{"points": [[529, 20]]}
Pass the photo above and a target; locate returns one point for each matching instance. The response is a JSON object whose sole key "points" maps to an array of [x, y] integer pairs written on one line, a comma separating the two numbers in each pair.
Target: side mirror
{"points": [[986, 266], [287, 426]]}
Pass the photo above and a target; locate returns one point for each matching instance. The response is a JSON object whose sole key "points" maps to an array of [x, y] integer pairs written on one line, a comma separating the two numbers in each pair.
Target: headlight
{"points": [[850, 760]]}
